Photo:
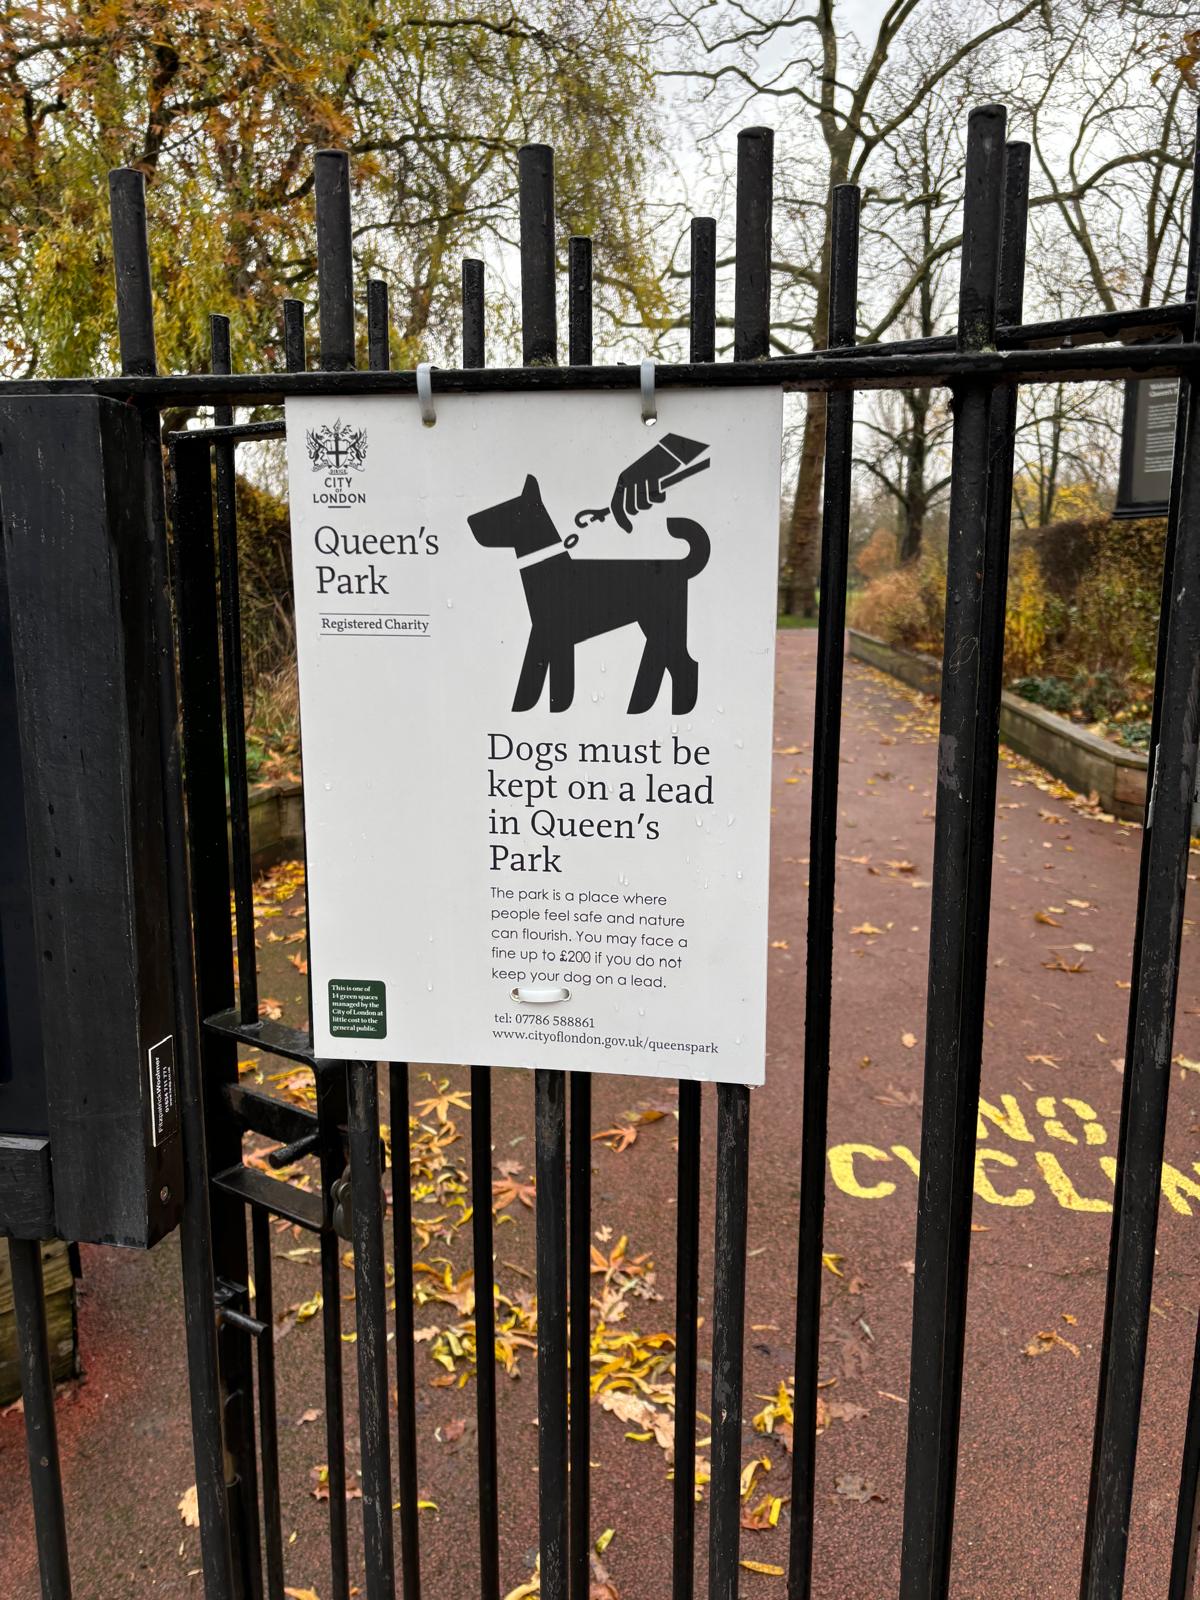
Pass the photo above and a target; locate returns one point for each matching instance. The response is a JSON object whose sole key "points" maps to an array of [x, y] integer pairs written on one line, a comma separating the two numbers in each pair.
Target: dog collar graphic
{"points": [[547, 550]]}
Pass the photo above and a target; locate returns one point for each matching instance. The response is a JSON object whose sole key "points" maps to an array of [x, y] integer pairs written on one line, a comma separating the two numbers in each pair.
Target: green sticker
{"points": [[357, 1008]]}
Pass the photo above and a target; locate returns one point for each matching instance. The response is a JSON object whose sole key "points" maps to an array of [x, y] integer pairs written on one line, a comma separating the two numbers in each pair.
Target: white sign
{"points": [[536, 677]]}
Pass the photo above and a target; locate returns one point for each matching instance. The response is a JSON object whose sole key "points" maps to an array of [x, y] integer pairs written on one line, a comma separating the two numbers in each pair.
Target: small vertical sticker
{"points": [[164, 1101]]}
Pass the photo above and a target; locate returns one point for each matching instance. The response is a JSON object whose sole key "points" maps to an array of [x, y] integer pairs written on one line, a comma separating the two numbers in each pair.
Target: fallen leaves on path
{"points": [[751, 1471], [853, 1486], [765, 1567], [777, 1416], [765, 1514], [189, 1508], [506, 1190], [1043, 1342], [616, 1138], [442, 1099]]}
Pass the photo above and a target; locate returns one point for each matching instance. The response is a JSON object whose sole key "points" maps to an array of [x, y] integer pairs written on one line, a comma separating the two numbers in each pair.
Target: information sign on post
{"points": [[536, 646], [1147, 447]]}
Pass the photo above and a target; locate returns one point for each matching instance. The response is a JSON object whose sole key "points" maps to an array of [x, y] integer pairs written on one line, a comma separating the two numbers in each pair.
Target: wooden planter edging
{"points": [[60, 1319], [276, 823], [1090, 764]]}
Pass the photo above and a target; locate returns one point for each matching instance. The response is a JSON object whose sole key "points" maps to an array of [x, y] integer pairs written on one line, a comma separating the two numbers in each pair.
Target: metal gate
{"points": [[230, 1343]]}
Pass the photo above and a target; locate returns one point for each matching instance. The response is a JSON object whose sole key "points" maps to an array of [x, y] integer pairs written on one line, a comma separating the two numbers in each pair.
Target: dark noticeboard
{"points": [[89, 1141], [1147, 447]]}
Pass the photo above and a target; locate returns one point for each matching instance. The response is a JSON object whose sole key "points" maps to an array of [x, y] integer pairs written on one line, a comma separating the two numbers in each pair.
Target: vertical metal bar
{"points": [[268, 1425], [41, 1433], [1154, 982], [335, 260], [1187, 1512], [131, 270], [751, 340], [473, 346], [331, 1116], [702, 342], [481, 1161], [332, 1111], [580, 1269], [371, 1313], [208, 858], [235, 711], [294, 355], [822, 876], [579, 272], [1148, 1059], [687, 1287], [485, 1332], [539, 317], [701, 347], [379, 355], [131, 267], [406, 1375], [1187, 1515], [729, 1318], [539, 346], [551, 1164], [958, 936], [752, 273], [1002, 418], [192, 527], [213, 967], [579, 301]]}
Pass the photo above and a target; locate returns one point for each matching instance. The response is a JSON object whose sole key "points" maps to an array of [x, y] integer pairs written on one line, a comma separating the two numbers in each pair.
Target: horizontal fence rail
{"points": [[230, 1345]]}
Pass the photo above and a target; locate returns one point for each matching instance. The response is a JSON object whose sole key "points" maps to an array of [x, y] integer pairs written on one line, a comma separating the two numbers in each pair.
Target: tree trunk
{"points": [[915, 505], [802, 560], [801, 565]]}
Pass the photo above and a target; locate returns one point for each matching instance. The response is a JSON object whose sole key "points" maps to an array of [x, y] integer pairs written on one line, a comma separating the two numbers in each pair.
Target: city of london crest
{"points": [[337, 448]]}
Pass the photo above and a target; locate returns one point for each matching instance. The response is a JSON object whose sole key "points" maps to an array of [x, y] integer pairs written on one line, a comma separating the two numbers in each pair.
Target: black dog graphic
{"points": [[571, 600]]}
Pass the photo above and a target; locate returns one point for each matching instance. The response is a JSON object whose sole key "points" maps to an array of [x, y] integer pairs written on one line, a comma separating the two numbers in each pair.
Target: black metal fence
{"points": [[230, 1342]]}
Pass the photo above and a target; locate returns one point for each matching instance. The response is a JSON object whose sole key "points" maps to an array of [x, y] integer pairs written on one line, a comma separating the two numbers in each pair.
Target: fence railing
{"points": [[230, 1339]]}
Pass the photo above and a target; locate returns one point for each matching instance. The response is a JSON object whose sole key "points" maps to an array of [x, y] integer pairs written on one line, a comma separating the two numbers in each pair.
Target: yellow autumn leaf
{"points": [[302, 1594], [603, 1542], [765, 1567], [189, 1508], [751, 1470]]}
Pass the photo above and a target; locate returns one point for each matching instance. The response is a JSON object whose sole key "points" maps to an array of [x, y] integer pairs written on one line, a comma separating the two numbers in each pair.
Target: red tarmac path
{"points": [[1051, 1077]]}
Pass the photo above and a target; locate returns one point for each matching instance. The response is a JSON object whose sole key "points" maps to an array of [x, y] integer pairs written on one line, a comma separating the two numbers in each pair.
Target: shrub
{"points": [[265, 574], [1027, 619], [878, 556], [1053, 693], [905, 607]]}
